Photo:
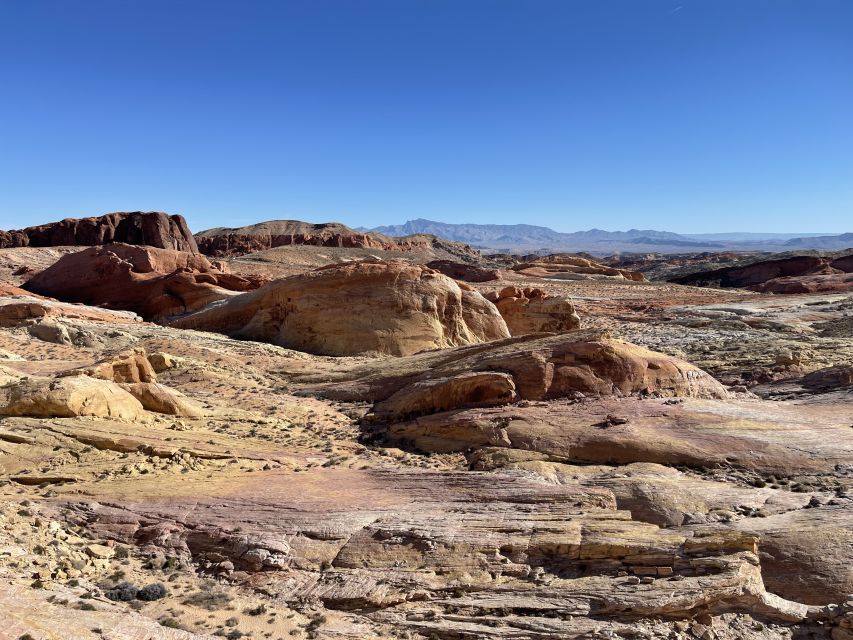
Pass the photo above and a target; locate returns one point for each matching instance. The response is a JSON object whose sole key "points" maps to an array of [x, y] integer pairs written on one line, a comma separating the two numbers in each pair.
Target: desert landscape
{"points": [[292, 430]]}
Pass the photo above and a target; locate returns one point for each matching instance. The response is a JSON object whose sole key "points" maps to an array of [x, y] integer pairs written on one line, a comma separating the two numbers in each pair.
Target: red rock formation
{"points": [[760, 273], [221, 241], [531, 310], [465, 272], [570, 267], [793, 274], [372, 307], [13, 239], [155, 283], [153, 229], [822, 283]]}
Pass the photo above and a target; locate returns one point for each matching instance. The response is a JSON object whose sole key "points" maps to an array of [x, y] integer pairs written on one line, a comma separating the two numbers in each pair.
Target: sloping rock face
{"points": [[513, 557], [797, 274], [475, 389], [465, 272], [542, 368], [532, 310], [155, 283], [568, 267], [379, 307], [19, 307], [154, 229], [71, 397], [222, 241], [161, 399]]}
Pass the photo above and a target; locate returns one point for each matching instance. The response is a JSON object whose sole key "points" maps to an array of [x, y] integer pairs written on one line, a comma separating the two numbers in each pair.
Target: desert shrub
{"points": [[152, 592], [212, 600], [171, 623], [124, 592], [256, 611]]}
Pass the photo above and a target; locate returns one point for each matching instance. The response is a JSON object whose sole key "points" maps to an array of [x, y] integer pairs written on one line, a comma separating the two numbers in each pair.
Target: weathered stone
{"points": [[371, 307], [70, 397]]}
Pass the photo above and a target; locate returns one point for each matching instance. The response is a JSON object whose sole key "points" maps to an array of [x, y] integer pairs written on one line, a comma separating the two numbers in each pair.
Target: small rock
{"points": [[99, 551]]}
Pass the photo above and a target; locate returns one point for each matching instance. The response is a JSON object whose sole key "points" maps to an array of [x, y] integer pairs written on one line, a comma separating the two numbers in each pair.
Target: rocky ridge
{"points": [[153, 229], [221, 242]]}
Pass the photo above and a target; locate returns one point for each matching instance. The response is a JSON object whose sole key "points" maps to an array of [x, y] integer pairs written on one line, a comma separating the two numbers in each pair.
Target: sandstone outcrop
{"points": [[465, 272], [794, 274], [542, 367], [70, 397], [532, 310], [221, 241], [153, 229], [819, 283], [569, 267], [695, 434], [372, 307], [24, 308], [155, 283], [161, 399], [557, 549], [130, 366], [475, 389]]}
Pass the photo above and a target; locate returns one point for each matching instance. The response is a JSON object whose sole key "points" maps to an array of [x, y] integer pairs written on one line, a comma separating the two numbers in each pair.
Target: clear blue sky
{"points": [[684, 115]]}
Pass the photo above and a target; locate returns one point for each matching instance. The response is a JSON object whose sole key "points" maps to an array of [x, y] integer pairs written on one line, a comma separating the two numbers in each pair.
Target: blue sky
{"points": [[684, 115]]}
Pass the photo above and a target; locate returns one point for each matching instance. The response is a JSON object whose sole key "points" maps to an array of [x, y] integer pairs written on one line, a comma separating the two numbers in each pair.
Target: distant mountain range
{"points": [[526, 238]]}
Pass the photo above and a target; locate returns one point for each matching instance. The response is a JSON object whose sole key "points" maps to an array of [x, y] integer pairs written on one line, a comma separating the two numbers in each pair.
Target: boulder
{"points": [[162, 361], [162, 399], [371, 307], [49, 331], [153, 229], [155, 283], [473, 389], [130, 366], [532, 310], [832, 378], [70, 397]]}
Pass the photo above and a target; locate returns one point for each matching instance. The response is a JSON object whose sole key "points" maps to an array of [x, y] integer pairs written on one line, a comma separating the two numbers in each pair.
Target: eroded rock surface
{"points": [[569, 267], [70, 397], [795, 274], [532, 310], [153, 229], [362, 308], [155, 283], [463, 271], [282, 233]]}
